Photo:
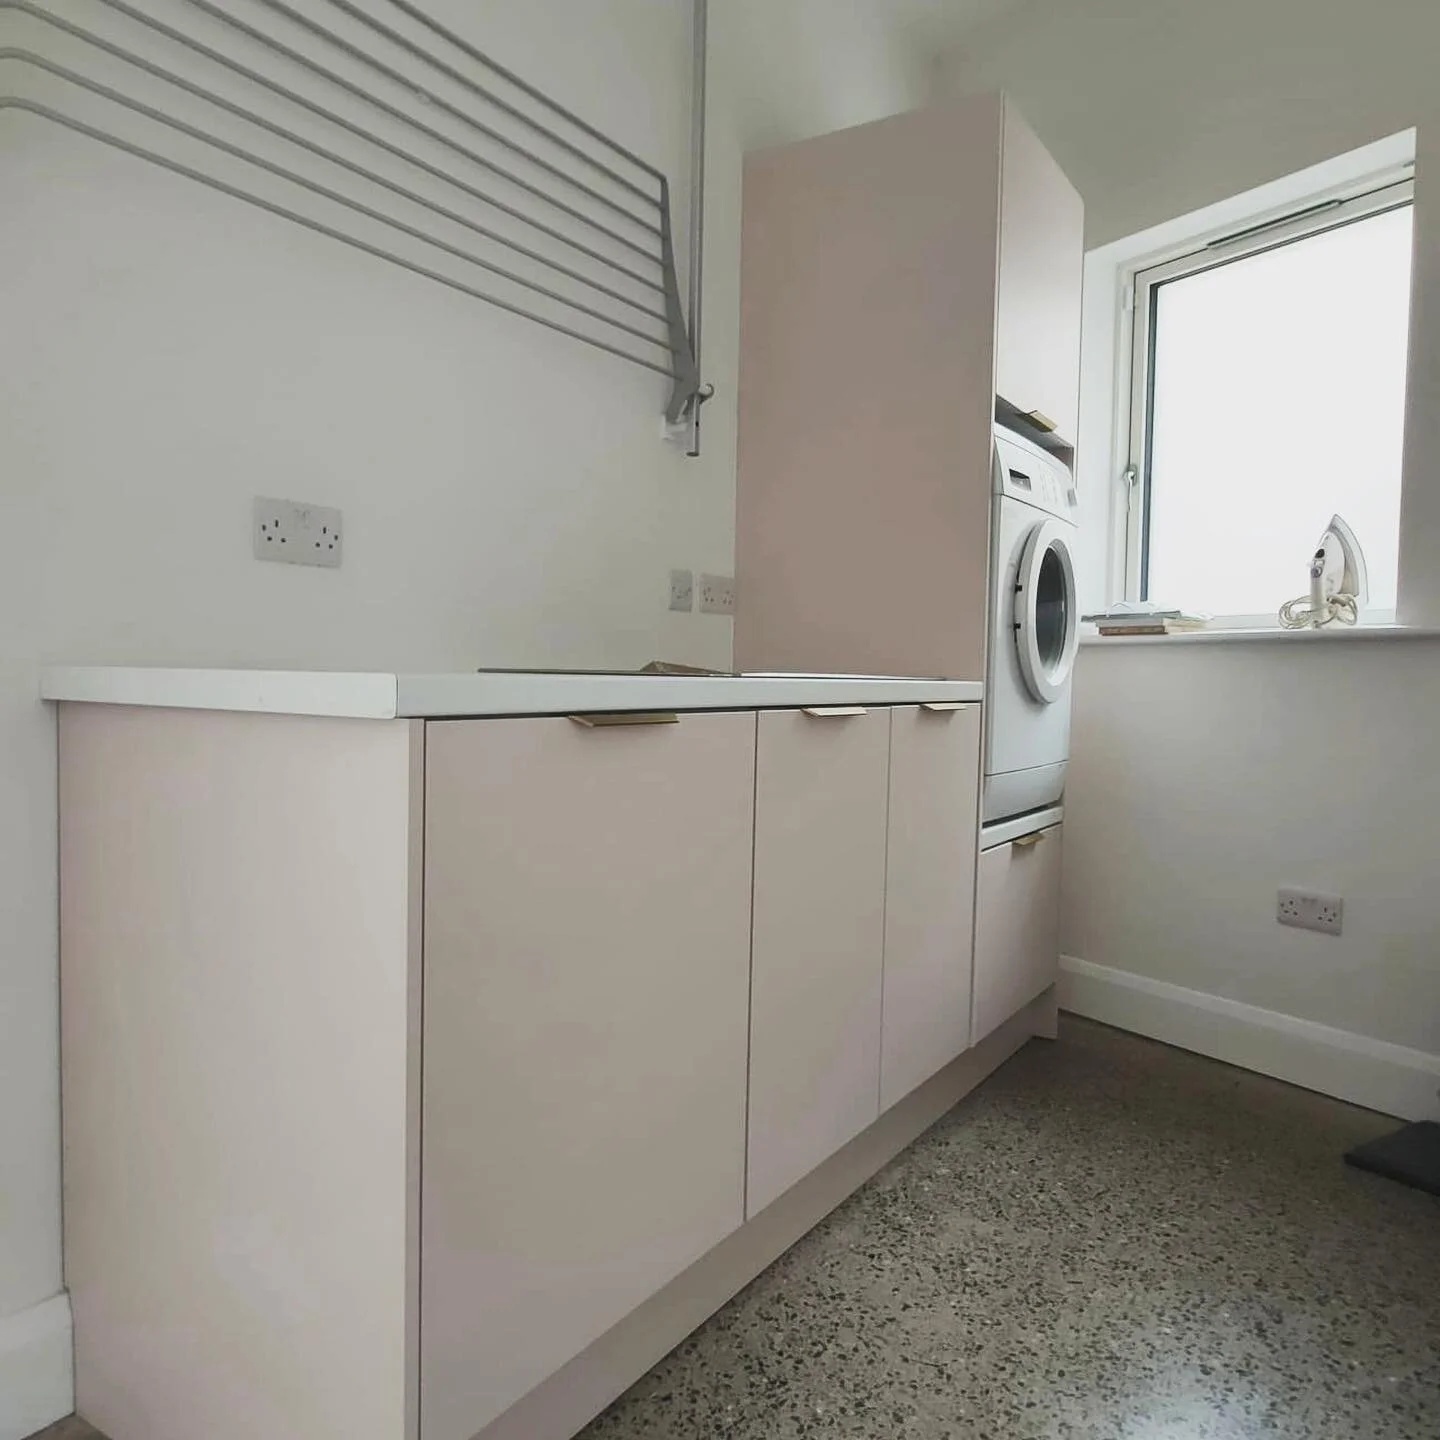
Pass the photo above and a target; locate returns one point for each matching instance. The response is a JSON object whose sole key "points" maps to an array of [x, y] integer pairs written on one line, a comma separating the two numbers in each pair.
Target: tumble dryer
{"points": [[1034, 629]]}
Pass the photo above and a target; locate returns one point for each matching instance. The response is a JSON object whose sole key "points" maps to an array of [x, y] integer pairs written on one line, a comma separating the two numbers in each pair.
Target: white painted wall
{"points": [[1420, 499], [169, 353], [1205, 776]]}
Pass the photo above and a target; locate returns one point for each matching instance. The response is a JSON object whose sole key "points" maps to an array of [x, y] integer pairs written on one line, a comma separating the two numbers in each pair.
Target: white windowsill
{"points": [[1259, 635]]}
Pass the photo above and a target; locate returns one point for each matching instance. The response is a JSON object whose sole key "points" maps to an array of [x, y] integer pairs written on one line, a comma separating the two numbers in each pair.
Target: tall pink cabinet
{"points": [[897, 278]]}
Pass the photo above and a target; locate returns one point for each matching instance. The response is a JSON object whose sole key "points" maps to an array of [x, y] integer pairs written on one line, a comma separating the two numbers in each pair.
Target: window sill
{"points": [[1330, 635]]}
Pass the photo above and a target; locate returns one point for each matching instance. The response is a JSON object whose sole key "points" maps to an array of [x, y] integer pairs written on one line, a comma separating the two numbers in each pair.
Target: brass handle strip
{"points": [[606, 719]]}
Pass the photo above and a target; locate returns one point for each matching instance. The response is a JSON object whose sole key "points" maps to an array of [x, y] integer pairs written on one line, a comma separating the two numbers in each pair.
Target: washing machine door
{"points": [[1047, 620]]}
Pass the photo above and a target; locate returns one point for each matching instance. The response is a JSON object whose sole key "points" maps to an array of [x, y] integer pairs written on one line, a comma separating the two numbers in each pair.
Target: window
{"points": [[1268, 393]]}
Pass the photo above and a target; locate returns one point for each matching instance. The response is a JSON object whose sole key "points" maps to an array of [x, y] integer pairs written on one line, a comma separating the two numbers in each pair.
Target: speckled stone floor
{"points": [[1110, 1240]]}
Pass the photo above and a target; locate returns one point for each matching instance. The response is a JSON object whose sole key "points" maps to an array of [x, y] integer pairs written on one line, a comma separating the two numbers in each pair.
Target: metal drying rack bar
{"points": [[596, 216]]}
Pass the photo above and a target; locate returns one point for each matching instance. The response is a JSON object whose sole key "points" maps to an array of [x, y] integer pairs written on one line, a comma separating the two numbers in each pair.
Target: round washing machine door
{"points": [[1047, 620]]}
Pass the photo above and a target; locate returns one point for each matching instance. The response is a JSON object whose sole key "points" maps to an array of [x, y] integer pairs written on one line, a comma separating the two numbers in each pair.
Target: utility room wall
{"points": [[170, 353]]}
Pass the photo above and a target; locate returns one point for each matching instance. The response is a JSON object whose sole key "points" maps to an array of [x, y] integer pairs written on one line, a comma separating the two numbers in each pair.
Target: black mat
{"points": [[1411, 1156]]}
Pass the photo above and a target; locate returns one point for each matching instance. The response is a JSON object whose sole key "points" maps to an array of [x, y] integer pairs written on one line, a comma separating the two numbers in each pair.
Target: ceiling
{"points": [[936, 27]]}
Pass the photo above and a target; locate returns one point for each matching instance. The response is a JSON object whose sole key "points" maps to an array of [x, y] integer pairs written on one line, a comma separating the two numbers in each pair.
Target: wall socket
{"points": [[1308, 910], [682, 590], [295, 533], [717, 594]]}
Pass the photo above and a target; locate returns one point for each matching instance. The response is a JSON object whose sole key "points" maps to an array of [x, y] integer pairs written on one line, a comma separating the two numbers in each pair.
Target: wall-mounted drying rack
{"points": [[369, 122]]}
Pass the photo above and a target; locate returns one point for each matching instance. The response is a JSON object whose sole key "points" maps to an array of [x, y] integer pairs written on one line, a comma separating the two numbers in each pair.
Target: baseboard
{"points": [[37, 1385], [1392, 1079]]}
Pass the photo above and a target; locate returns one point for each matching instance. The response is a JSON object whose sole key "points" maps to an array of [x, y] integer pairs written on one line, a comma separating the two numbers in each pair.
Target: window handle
{"points": [[1130, 478]]}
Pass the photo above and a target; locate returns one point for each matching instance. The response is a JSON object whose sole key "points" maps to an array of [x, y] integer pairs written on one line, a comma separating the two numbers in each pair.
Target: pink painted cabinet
{"points": [[1017, 927], [817, 957], [535, 1016], [586, 994], [929, 895], [895, 278], [1042, 244]]}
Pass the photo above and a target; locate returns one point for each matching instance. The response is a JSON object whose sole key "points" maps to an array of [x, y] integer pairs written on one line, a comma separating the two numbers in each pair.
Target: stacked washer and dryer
{"points": [[1034, 630]]}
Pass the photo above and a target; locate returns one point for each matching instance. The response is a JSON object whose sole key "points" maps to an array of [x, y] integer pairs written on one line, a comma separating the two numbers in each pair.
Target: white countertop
{"points": [[380, 696]]}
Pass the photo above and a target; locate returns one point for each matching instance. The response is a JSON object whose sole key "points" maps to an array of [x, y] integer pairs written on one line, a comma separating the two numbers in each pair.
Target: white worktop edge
{"points": [[359, 694], [437, 696], [540, 694]]}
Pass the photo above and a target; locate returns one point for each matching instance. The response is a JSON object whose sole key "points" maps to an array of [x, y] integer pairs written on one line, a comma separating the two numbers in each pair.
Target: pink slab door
{"points": [[1017, 927], [929, 893], [587, 949], [1042, 248], [820, 800]]}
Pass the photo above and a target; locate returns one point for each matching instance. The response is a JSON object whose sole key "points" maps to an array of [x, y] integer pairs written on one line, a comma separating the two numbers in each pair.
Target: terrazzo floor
{"points": [[1110, 1240]]}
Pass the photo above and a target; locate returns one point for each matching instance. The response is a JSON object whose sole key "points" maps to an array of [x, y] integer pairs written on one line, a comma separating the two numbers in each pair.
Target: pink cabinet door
{"points": [[1042, 249], [820, 800], [929, 893], [1017, 927], [586, 974]]}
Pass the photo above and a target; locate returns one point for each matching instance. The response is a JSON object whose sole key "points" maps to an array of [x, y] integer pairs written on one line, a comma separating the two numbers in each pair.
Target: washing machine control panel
{"points": [[1025, 472]]}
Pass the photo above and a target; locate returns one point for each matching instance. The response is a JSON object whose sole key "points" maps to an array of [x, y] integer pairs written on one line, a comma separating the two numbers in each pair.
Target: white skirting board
{"points": [[37, 1385], [1392, 1079]]}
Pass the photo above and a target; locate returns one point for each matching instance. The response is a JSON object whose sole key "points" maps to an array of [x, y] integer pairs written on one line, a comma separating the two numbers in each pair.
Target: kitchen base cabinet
{"points": [[1017, 926], [406, 1061], [820, 802], [240, 1067], [929, 893], [587, 937]]}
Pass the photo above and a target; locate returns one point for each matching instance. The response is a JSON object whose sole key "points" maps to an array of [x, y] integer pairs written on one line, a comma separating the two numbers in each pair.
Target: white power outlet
{"points": [[717, 594], [295, 533], [682, 590], [1308, 910]]}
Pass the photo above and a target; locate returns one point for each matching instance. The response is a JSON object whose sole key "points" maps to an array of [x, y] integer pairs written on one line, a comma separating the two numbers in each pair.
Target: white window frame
{"points": [[1139, 280]]}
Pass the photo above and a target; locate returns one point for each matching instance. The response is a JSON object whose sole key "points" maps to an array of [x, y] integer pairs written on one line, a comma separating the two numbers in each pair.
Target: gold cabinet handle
{"points": [[826, 712], [946, 707], [606, 719], [1041, 421], [1027, 842]]}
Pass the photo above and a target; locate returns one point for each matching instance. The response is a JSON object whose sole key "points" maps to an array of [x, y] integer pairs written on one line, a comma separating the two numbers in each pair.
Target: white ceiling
{"points": [[936, 27], [803, 67]]}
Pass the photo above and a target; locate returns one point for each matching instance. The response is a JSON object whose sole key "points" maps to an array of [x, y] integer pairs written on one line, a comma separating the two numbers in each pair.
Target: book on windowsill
{"points": [[1148, 622]]}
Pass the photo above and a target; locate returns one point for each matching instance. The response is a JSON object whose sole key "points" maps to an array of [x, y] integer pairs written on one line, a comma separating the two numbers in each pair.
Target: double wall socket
{"points": [[717, 594], [1307, 910], [295, 533]]}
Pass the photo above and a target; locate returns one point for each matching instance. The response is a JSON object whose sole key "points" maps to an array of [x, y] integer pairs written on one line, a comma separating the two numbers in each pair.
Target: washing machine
{"points": [[1034, 629]]}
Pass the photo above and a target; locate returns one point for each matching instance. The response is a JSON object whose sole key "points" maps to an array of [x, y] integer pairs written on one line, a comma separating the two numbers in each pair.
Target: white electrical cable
{"points": [[1303, 613]]}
